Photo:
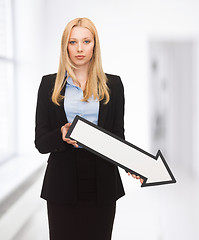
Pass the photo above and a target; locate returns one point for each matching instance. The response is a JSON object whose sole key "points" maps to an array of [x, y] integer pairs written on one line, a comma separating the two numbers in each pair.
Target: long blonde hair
{"points": [[97, 81]]}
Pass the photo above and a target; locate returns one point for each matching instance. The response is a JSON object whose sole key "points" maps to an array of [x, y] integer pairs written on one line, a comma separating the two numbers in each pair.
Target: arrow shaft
{"points": [[113, 148]]}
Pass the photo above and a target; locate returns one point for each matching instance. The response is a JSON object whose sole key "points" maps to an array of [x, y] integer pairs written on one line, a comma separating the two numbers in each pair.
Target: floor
{"points": [[169, 212]]}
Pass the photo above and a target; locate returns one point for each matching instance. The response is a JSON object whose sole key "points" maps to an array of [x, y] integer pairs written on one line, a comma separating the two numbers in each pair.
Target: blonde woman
{"points": [[81, 189]]}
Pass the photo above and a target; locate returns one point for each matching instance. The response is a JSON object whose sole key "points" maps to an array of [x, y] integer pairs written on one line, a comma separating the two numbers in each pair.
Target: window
{"points": [[7, 93]]}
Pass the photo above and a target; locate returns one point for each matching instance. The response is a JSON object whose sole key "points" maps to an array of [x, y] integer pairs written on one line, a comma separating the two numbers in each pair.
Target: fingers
{"points": [[69, 141], [64, 130], [67, 125], [137, 177]]}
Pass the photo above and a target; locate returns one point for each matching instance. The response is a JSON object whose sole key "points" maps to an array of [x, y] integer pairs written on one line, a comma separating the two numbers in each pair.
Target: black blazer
{"points": [[60, 177]]}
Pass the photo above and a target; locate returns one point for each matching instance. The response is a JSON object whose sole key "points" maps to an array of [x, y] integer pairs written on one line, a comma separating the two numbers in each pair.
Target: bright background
{"points": [[153, 46]]}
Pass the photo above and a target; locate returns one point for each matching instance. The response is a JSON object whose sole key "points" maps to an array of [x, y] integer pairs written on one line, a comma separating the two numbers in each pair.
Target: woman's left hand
{"points": [[137, 177]]}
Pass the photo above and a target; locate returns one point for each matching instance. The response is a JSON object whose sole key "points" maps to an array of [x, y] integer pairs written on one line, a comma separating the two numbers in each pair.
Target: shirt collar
{"points": [[69, 80]]}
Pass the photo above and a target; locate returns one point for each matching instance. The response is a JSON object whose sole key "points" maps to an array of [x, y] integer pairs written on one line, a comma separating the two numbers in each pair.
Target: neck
{"points": [[82, 75]]}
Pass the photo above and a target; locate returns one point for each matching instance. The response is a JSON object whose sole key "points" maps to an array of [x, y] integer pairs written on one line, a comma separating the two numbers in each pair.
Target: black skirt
{"points": [[85, 220]]}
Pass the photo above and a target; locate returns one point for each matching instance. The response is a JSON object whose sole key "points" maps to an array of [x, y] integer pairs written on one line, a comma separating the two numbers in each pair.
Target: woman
{"points": [[81, 189]]}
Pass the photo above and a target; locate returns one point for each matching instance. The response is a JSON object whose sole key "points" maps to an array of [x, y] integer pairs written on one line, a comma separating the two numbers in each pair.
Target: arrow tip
{"points": [[161, 174]]}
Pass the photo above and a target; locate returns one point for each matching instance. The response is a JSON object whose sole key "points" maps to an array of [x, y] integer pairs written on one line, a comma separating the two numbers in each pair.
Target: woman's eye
{"points": [[72, 42], [87, 41]]}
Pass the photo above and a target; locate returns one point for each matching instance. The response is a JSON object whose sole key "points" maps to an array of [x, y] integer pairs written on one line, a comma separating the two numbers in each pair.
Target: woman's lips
{"points": [[80, 57]]}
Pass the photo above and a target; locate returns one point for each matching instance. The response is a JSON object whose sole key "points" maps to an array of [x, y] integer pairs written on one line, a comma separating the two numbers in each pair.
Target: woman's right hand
{"points": [[64, 130]]}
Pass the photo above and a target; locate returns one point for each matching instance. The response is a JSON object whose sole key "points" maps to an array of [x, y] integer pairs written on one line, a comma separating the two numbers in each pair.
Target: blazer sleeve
{"points": [[118, 124], [47, 138]]}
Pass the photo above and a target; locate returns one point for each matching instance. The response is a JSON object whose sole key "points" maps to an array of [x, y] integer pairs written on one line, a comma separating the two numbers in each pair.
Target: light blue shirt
{"points": [[74, 106]]}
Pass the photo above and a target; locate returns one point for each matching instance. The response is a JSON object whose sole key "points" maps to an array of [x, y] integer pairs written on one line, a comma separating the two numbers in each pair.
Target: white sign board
{"points": [[153, 169]]}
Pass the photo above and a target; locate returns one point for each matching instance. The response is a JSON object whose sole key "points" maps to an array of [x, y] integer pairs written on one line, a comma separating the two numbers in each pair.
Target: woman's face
{"points": [[80, 46]]}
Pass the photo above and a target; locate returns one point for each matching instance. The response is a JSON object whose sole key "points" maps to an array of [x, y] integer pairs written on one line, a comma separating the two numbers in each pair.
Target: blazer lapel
{"points": [[102, 113], [60, 109]]}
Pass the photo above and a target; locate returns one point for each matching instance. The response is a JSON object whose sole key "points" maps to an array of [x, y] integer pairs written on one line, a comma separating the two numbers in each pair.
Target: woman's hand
{"points": [[64, 130], [137, 177]]}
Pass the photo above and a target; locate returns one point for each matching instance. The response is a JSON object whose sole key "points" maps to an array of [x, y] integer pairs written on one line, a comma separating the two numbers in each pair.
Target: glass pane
{"points": [[6, 48], [6, 110]]}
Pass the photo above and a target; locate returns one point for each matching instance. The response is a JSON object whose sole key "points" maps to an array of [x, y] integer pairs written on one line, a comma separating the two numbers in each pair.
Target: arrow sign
{"points": [[153, 169]]}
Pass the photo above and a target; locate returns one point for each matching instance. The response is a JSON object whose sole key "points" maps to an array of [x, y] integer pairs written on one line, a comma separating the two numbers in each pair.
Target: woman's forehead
{"points": [[78, 31]]}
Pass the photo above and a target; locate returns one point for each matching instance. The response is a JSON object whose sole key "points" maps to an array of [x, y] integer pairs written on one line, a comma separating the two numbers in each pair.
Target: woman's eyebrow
{"points": [[82, 38]]}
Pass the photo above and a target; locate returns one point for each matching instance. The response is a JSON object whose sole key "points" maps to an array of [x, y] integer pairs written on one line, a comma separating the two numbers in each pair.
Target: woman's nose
{"points": [[79, 47]]}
